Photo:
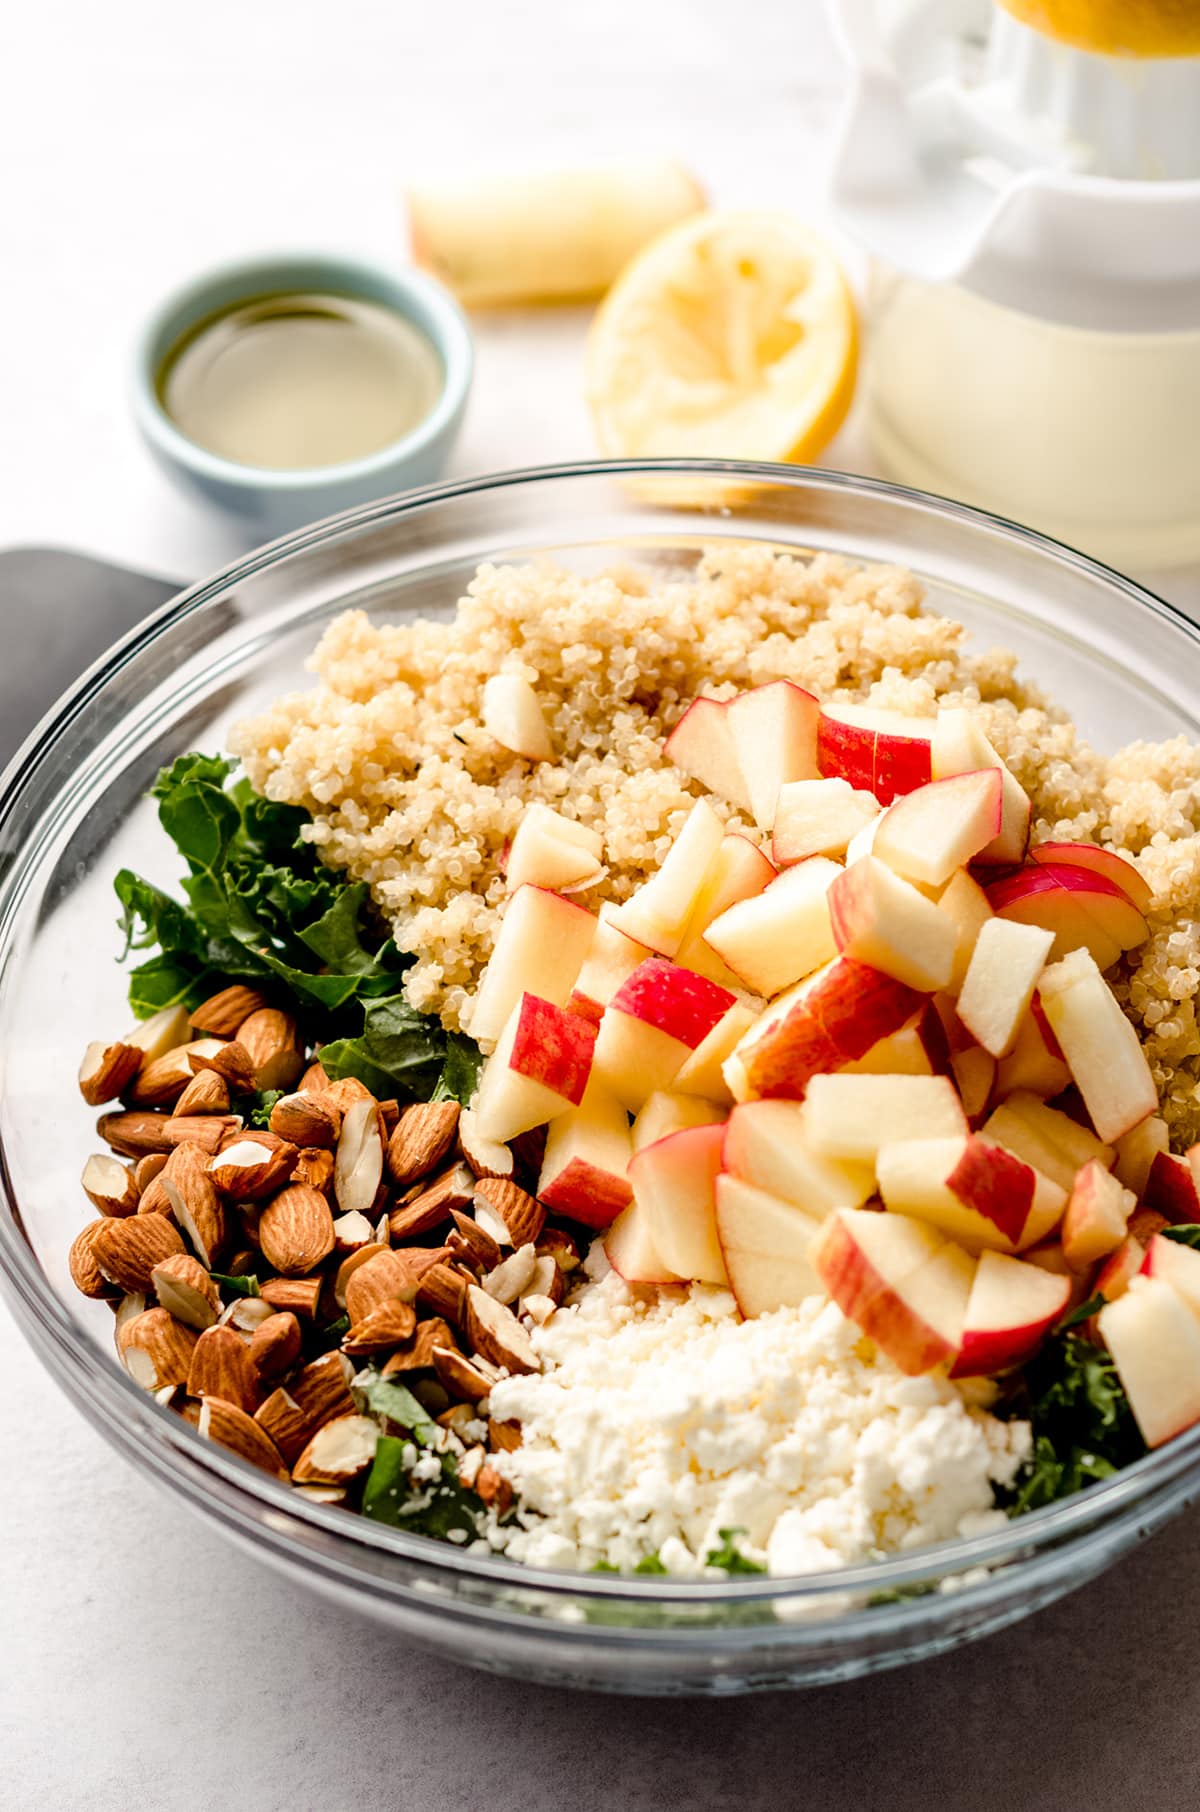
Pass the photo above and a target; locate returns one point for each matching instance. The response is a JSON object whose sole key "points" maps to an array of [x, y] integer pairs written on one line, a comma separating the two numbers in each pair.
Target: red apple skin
{"points": [[553, 1047], [1100, 861], [870, 759], [1045, 1028], [1171, 1189], [995, 1184], [585, 1193], [1047, 878], [847, 1010], [932, 1033], [676, 1001], [986, 1351], [586, 1007], [868, 1299]]}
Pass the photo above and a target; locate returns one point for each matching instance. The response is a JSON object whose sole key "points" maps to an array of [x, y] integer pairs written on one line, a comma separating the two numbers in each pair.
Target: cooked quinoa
{"points": [[408, 792]]}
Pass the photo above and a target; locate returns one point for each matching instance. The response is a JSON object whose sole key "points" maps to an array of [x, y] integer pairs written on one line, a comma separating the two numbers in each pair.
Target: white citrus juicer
{"points": [[1033, 211]]}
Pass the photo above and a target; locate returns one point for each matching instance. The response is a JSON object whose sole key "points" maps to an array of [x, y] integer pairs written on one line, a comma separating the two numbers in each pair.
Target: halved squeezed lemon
{"points": [[1131, 28], [733, 336]]}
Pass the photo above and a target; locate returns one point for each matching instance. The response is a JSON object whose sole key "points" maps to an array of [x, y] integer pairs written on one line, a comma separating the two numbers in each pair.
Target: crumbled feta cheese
{"points": [[658, 1422]]}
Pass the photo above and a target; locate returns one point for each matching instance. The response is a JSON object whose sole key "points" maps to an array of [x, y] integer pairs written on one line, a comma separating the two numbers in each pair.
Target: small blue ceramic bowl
{"points": [[268, 501]]}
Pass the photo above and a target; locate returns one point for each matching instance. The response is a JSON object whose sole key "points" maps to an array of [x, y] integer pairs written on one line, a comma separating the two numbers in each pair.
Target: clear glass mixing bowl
{"points": [[72, 811]]}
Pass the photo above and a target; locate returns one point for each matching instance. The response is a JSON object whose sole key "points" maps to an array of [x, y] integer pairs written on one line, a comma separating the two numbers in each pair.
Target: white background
{"points": [[142, 1664]]}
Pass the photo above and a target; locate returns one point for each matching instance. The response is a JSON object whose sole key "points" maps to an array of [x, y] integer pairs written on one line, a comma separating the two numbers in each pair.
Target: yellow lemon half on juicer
{"points": [[732, 336], [1119, 28]]}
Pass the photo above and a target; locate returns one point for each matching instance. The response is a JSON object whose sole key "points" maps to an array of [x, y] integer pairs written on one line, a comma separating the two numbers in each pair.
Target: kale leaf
{"points": [[1083, 1427], [729, 1554]]}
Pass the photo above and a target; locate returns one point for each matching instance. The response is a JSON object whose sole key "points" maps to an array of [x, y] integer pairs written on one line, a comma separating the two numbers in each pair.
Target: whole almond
{"points": [[296, 1230], [521, 1212], [358, 1162], [109, 1185], [314, 1166], [156, 1349], [306, 1119], [231, 1062], [496, 1334], [86, 1274], [135, 1134], [444, 1292], [388, 1276], [296, 1295], [425, 1133], [314, 1396], [195, 1203], [270, 1039], [428, 1207], [126, 1251], [384, 1328], [252, 1167], [206, 1092], [106, 1070], [275, 1346], [340, 1451], [221, 1367], [416, 1354], [184, 1288], [222, 1013], [231, 1427]]}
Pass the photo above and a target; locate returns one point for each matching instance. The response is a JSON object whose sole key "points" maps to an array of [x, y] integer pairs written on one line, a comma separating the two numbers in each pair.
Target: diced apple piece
{"points": [[899, 1280], [738, 871], [938, 828], [1040, 1146], [880, 752], [974, 1072], [818, 818], [917, 1049], [587, 1152], [965, 904], [540, 949], [1084, 910], [1097, 1216], [673, 1181], [611, 959], [959, 746], [766, 1143], [1154, 1339], [1001, 976], [1099, 1045], [512, 714], [1136, 1151], [1177, 1265], [978, 1193], [1076, 1143], [774, 732], [702, 747], [666, 1112], [539, 1068], [631, 1251], [851, 1116], [1119, 1269], [657, 1017], [1033, 1066], [831, 1019], [702, 1072], [781, 934], [1102, 862], [863, 841], [1171, 1188], [882, 921], [1012, 1307], [657, 914], [765, 1245], [551, 851]]}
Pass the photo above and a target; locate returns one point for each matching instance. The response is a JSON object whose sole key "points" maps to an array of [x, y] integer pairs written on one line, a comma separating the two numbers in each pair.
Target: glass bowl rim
{"points": [[38, 1304]]}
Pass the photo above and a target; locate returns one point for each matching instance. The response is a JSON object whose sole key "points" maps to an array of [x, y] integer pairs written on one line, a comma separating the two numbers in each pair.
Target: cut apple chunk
{"points": [[738, 871], [883, 921], [703, 1072], [974, 1072], [631, 1251], [765, 1245], [767, 1144], [588, 1150], [852, 1116], [965, 904], [1099, 1045], [1154, 1339], [977, 1193], [667, 1111], [899, 1280], [1045, 1137], [831, 1019], [1011, 1309], [701, 746], [1137, 1149], [511, 713], [917, 1049], [774, 732], [818, 818], [1034, 1065], [1097, 1216], [1001, 976], [540, 949], [539, 1068], [611, 959], [783, 933], [658, 913], [551, 851], [1118, 1270], [673, 1183], [959, 746], [1170, 1188], [929, 833], [877, 751], [1177, 1265], [1084, 910], [1101, 861], [653, 1022]]}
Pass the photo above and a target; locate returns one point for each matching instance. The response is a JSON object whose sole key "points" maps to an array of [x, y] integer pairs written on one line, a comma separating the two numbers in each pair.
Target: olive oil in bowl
{"points": [[300, 380]]}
